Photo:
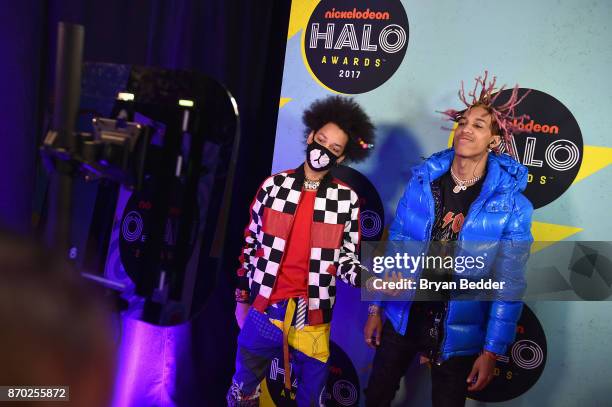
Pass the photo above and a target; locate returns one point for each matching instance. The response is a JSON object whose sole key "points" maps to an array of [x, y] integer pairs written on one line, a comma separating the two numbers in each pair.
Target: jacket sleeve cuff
{"points": [[243, 281], [494, 347], [357, 279]]}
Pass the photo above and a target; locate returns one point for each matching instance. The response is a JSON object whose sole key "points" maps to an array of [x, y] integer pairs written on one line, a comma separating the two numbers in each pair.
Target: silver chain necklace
{"points": [[461, 185]]}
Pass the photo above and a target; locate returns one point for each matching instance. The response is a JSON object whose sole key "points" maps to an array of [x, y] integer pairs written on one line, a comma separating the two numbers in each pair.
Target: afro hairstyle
{"points": [[350, 117]]}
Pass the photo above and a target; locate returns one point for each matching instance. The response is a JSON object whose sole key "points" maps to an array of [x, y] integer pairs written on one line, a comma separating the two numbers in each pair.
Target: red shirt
{"points": [[292, 278]]}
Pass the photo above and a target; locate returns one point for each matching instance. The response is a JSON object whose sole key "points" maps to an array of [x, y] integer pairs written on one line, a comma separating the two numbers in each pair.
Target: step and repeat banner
{"points": [[404, 61]]}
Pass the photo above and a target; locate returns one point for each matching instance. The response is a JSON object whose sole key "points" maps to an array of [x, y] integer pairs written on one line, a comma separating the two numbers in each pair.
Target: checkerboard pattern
{"points": [[262, 254]]}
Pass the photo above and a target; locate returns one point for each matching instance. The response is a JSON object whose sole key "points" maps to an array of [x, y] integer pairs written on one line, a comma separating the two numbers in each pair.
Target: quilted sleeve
{"points": [[511, 260]]}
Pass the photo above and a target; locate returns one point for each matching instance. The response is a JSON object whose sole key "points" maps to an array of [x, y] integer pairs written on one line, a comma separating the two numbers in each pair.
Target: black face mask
{"points": [[319, 157]]}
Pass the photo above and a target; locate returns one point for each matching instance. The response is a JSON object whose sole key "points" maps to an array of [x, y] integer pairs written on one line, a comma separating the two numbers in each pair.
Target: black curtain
{"points": [[240, 43]]}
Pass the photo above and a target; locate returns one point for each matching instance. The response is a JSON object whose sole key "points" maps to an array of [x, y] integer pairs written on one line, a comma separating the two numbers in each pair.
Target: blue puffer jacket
{"points": [[501, 212]]}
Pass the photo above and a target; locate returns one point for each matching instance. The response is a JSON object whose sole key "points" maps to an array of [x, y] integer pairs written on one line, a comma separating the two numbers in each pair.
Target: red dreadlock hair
{"points": [[504, 120]]}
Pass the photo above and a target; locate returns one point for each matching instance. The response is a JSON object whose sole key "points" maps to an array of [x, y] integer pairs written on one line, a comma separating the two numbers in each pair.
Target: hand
{"points": [[389, 277], [373, 329], [482, 372], [242, 309], [394, 277]]}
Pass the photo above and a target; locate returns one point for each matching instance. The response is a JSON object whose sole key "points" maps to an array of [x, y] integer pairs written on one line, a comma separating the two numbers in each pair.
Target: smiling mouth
{"points": [[464, 138]]}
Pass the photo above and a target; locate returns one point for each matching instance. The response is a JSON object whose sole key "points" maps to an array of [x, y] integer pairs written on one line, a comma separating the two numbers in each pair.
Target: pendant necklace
{"points": [[311, 184], [462, 185]]}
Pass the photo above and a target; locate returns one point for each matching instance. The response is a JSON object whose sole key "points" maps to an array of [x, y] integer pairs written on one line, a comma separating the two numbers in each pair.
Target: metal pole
{"points": [[67, 93]]}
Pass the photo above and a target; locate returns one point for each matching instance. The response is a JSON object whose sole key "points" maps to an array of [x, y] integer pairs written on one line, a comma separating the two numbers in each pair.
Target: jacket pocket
{"points": [[326, 235], [276, 223]]}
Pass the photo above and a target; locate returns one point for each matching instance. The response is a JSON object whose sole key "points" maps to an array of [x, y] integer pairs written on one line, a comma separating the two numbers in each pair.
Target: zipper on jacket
{"points": [[428, 228], [443, 318], [468, 218], [438, 360]]}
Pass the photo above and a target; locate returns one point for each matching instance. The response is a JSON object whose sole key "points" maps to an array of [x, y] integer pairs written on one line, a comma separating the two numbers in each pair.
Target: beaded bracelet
{"points": [[373, 310]]}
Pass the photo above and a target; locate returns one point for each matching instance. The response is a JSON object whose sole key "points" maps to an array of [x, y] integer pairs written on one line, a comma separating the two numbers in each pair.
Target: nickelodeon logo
{"points": [[354, 14], [361, 40], [533, 127]]}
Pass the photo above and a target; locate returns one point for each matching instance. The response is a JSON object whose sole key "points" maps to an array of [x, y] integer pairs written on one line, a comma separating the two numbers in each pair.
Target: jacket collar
{"points": [[504, 174]]}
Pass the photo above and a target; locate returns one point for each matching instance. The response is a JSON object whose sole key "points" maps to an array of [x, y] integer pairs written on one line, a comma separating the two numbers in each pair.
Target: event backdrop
{"points": [[404, 61]]}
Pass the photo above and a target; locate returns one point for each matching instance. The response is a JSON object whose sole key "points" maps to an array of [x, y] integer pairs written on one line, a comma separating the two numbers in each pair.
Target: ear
{"points": [[310, 138], [495, 141], [340, 159]]}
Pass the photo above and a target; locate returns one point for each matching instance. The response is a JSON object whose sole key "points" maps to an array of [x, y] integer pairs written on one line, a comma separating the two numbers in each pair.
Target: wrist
{"points": [[373, 310], [490, 355], [370, 284], [242, 296]]}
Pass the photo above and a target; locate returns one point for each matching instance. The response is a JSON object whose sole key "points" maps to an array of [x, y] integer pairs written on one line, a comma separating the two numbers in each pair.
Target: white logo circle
{"points": [[373, 229], [533, 360], [344, 386], [133, 221]]}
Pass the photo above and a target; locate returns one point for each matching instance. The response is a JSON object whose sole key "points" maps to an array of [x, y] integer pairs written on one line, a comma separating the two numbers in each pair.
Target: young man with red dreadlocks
{"points": [[303, 233], [470, 192]]}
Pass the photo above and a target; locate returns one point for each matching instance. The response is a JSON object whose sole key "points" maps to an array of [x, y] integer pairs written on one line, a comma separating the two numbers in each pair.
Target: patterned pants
{"points": [[261, 340]]}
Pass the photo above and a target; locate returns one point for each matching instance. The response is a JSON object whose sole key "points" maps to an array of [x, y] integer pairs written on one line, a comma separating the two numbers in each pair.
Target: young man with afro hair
{"points": [[303, 232]]}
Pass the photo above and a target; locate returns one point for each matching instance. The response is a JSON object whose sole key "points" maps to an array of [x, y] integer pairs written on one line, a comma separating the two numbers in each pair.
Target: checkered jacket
{"points": [[335, 237]]}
